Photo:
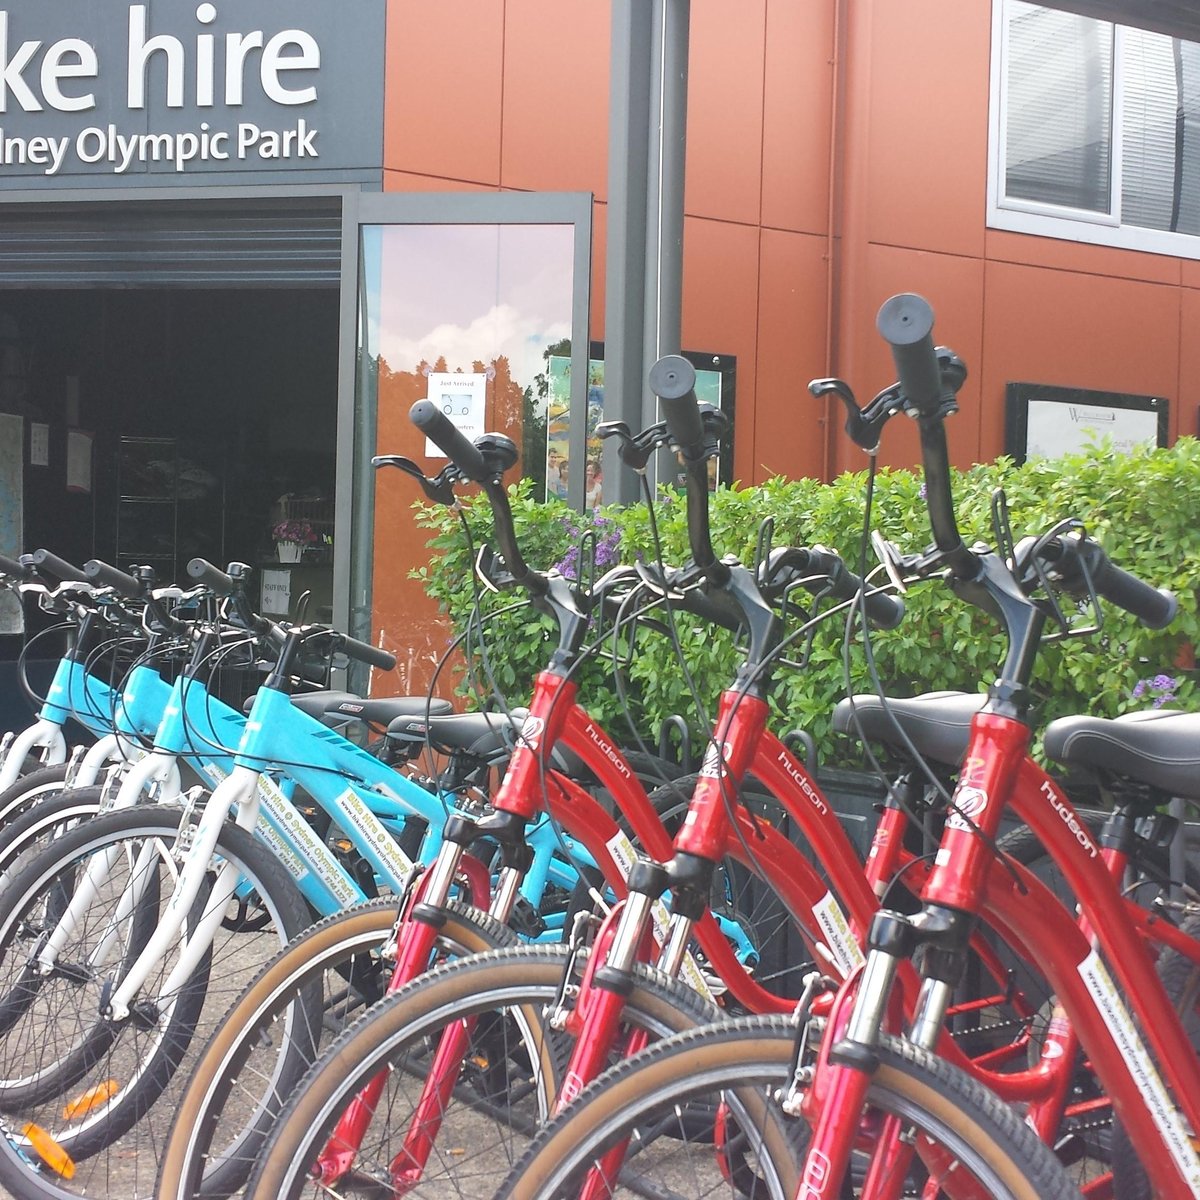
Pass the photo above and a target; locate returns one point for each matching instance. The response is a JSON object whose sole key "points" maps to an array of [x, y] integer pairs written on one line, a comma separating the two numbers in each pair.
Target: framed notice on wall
{"points": [[1046, 422]]}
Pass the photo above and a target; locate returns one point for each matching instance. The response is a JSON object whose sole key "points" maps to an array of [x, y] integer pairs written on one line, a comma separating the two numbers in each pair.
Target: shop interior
{"points": [[164, 424]]}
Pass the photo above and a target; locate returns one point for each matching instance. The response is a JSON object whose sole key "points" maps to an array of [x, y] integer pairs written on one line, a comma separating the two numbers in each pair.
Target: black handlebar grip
{"points": [[10, 566], [213, 578], [51, 564], [673, 381], [883, 610], [373, 656], [451, 440], [101, 574], [1154, 607], [906, 324]]}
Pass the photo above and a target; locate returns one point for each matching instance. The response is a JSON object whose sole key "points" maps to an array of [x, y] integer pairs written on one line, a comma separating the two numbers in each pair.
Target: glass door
{"points": [[479, 302]]}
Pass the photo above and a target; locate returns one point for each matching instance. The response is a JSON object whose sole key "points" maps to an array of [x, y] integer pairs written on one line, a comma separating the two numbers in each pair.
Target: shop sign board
{"points": [[167, 90]]}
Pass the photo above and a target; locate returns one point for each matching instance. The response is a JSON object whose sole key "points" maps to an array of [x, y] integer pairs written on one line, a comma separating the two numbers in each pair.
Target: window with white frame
{"points": [[1095, 131]]}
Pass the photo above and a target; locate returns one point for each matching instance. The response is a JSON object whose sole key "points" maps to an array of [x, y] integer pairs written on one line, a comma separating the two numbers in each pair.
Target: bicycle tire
{"points": [[1181, 980], [346, 943], [36, 826], [139, 1057], [711, 1084], [515, 985], [29, 789]]}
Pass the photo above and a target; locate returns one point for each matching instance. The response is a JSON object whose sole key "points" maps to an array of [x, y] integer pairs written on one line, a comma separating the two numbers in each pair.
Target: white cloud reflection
{"points": [[521, 337]]}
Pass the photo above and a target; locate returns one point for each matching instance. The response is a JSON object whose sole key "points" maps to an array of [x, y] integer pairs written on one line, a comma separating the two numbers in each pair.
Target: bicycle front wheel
{"points": [[66, 1066], [243, 1078], [498, 1086], [697, 1115]]}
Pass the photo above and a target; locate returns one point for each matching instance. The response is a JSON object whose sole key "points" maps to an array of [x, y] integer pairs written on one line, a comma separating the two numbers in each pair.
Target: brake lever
{"points": [[863, 425], [635, 450], [492, 571], [439, 489], [893, 560]]}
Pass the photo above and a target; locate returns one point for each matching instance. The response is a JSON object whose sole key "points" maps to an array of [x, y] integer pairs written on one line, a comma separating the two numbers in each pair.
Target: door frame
{"points": [[354, 478]]}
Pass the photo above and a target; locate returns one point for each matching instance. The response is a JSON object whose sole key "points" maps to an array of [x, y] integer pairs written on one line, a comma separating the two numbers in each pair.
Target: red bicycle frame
{"points": [[1068, 949]]}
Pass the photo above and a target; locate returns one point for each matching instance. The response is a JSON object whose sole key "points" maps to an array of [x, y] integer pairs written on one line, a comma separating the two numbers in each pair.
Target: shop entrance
{"points": [[208, 415], [169, 388]]}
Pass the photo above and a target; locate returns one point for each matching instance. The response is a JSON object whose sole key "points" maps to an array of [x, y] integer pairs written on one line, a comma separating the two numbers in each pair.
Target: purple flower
{"points": [[608, 539], [1160, 689]]}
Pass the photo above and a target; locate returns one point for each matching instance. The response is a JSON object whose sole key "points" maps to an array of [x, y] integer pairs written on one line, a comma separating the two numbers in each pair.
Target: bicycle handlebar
{"points": [[883, 610], [1072, 556], [51, 564], [213, 578], [466, 456], [373, 656], [673, 380], [444, 434], [101, 574], [906, 323], [14, 569], [677, 377]]}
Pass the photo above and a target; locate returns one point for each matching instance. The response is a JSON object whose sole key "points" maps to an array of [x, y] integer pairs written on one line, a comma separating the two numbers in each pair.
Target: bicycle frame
{"points": [[1075, 953], [74, 692]]}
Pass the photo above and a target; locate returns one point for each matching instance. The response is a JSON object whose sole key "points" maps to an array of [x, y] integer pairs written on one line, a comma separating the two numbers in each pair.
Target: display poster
{"points": [[79, 461], [463, 398], [39, 444], [1055, 429], [12, 455], [558, 425]]}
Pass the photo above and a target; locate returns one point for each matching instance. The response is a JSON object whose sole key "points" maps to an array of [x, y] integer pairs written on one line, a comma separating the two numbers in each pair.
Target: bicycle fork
{"points": [[415, 937], [836, 1099]]}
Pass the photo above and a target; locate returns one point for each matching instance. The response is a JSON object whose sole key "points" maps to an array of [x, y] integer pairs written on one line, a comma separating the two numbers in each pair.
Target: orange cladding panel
{"points": [[443, 92], [404, 619], [1185, 409], [797, 101], [927, 81], [720, 312], [555, 96], [725, 102], [1073, 330], [789, 431], [954, 286]]}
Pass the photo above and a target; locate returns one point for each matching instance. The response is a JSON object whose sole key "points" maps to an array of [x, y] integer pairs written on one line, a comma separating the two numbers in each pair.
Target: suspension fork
{"points": [[597, 1017], [416, 936], [691, 879]]}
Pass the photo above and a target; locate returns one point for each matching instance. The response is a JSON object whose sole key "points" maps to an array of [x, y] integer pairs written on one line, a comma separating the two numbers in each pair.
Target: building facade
{"points": [[235, 245]]}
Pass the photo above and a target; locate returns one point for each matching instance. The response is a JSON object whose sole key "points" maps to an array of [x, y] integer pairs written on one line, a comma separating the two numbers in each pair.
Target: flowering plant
{"points": [[1160, 689], [294, 531]]}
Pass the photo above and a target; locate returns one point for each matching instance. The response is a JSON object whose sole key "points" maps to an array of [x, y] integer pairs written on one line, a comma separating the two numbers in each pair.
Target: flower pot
{"points": [[289, 552]]}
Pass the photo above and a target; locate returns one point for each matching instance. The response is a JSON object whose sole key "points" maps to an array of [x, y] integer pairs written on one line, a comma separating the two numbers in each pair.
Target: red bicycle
{"points": [[842, 1104], [449, 1007]]}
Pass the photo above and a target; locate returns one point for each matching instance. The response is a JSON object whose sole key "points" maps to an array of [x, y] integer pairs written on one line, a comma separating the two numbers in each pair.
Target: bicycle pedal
{"points": [[525, 920], [1070, 1149]]}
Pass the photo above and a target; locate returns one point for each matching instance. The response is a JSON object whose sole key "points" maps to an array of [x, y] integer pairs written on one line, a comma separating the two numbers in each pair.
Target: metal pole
{"points": [[662, 332], [625, 260]]}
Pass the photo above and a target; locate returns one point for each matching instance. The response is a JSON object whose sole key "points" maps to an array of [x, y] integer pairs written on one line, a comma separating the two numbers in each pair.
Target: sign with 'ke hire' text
{"points": [[162, 91]]}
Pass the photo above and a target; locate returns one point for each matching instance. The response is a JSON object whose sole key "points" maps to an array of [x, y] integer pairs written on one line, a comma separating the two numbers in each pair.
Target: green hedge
{"points": [[1143, 507]]}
